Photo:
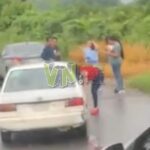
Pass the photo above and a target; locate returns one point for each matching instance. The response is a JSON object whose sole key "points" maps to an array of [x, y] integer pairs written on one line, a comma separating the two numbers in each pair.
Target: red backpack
{"points": [[92, 71]]}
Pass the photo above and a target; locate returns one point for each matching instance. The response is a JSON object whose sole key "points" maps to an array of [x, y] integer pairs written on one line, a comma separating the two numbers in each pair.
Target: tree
{"points": [[143, 2], [2, 4], [11, 10]]}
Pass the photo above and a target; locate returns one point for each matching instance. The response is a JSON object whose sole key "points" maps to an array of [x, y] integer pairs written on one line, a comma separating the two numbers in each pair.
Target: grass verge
{"points": [[141, 82]]}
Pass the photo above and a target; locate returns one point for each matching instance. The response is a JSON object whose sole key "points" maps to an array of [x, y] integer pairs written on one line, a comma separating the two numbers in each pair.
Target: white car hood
{"points": [[39, 95]]}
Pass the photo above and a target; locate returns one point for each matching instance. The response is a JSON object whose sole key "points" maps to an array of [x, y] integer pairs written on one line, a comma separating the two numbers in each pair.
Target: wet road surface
{"points": [[122, 118], [46, 140]]}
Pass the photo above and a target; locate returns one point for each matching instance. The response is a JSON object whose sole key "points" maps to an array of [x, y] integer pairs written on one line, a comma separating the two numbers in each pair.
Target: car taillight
{"points": [[16, 60], [75, 102], [7, 107]]}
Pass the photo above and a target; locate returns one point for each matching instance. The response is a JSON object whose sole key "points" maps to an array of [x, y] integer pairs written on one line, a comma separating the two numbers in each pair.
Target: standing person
{"points": [[91, 53], [93, 72], [51, 52], [115, 53]]}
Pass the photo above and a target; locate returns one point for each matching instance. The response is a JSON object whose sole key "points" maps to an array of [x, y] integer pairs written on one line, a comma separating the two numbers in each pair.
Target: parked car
{"points": [[19, 53], [27, 102]]}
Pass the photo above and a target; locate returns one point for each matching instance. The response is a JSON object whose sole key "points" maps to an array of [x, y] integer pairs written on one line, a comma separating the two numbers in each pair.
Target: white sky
{"points": [[126, 1]]}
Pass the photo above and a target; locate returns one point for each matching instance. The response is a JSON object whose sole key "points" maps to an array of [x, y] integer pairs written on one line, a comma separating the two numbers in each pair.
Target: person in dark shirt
{"points": [[51, 52]]}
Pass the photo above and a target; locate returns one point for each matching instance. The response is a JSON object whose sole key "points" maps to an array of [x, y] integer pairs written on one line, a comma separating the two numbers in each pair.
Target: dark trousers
{"points": [[96, 83], [95, 87]]}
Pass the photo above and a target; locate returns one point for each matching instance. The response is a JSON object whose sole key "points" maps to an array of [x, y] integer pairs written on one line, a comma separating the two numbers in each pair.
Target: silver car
{"points": [[19, 53]]}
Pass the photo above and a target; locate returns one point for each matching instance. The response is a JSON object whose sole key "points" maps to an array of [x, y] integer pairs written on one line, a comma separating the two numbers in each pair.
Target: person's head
{"points": [[91, 45], [52, 42], [110, 40]]}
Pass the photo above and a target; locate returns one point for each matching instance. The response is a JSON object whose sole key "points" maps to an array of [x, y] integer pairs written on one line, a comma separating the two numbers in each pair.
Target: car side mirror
{"points": [[118, 146]]}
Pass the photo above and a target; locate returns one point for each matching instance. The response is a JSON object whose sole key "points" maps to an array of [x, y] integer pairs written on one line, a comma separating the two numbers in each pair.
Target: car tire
{"points": [[6, 137], [6, 69], [83, 130], [1, 81]]}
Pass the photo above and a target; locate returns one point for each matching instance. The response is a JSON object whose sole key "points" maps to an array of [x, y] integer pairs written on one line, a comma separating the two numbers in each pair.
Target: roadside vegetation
{"points": [[75, 22], [141, 82], [137, 58]]}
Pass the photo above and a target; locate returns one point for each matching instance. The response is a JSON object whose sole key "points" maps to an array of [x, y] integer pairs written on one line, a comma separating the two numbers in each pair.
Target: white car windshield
{"points": [[31, 79]]}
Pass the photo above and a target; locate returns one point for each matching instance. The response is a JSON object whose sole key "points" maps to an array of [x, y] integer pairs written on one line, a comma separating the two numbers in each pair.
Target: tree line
{"points": [[74, 22]]}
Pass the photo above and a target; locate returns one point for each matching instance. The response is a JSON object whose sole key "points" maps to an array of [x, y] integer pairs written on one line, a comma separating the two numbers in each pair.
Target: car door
{"points": [[142, 142]]}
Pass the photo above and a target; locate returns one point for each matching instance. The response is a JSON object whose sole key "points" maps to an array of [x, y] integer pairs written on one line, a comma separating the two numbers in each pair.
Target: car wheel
{"points": [[6, 137], [1, 80], [83, 130], [6, 69]]}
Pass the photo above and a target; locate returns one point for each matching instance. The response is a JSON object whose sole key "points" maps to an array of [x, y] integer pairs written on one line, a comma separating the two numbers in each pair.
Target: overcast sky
{"points": [[126, 1]]}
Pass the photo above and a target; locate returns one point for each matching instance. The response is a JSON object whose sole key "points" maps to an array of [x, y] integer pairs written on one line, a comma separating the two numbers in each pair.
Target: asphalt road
{"points": [[122, 118]]}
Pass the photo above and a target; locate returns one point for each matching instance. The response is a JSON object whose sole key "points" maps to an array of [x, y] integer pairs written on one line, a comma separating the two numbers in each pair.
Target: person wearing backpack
{"points": [[115, 54]]}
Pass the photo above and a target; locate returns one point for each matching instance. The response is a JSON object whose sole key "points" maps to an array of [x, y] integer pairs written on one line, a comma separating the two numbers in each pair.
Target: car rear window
{"points": [[31, 79], [24, 50]]}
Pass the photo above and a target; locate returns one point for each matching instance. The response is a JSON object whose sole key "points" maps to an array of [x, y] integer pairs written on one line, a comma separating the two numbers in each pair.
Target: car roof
{"points": [[38, 65], [23, 43]]}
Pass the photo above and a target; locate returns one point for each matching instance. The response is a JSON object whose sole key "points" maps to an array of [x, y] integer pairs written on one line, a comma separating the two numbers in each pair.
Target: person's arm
{"points": [[98, 56], [86, 56], [57, 54], [84, 75], [43, 55], [112, 53]]}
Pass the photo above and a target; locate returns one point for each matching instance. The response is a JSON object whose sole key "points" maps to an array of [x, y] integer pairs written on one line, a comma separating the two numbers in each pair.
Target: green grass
{"points": [[141, 82]]}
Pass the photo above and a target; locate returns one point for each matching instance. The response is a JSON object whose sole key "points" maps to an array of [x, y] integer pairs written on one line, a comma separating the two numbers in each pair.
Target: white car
{"points": [[27, 102]]}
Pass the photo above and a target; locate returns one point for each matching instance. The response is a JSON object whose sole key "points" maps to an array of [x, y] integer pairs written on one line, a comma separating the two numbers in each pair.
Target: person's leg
{"points": [[95, 87], [118, 77], [102, 77]]}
